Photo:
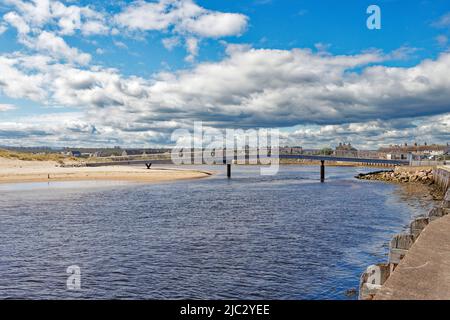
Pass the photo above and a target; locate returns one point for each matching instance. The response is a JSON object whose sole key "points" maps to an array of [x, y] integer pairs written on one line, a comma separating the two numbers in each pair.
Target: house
{"points": [[345, 150], [416, 151], [74, 153], [397, 156]]}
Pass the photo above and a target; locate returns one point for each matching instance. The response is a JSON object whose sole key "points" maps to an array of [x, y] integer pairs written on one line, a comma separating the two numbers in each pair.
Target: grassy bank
{"points": [[34, 157]]}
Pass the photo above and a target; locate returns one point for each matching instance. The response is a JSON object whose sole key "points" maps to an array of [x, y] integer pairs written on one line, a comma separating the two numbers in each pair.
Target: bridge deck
{"points": [[283, 156], [343, 159]]}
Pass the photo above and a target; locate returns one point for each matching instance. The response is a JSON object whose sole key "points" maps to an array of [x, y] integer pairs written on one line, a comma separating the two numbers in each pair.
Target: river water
{"points": [[252, 237]]}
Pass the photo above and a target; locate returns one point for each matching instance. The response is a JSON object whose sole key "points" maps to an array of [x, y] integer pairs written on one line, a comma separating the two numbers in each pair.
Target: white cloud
{"points": [[120, 44], [21, 83], [58, 48], [17, 22], [3, 28], [403, 53], [6, 107], [171, 43], [215, 25], [94, 27], [373, 134], [249, 88], [142, 15], [180, 17], [192, 49], [36, 14], [326, 97], [322, 47], [184, 16]]}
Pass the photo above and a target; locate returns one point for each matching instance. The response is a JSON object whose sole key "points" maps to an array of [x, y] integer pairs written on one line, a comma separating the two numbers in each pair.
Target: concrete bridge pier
{"points": [[229, 170], [322, 171]]}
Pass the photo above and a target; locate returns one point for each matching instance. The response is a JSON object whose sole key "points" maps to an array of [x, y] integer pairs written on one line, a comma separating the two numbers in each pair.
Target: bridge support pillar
{"points": [[229, 170], [322, 171]]}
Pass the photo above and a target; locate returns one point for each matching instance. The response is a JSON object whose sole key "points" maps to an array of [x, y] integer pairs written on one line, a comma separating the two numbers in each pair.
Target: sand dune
{"points": [[39, 171]]}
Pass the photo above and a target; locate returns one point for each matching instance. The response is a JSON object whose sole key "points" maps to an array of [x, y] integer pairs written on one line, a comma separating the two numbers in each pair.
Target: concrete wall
{"points": [[374, 277], [442, 177]]}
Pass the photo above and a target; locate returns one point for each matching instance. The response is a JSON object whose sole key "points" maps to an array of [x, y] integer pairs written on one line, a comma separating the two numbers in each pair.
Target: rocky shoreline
{"points": [[424, 176]]}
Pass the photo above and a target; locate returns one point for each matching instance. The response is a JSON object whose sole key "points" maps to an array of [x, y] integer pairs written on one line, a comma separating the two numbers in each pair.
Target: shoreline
{"points": [[18, 171], [413, 255]]}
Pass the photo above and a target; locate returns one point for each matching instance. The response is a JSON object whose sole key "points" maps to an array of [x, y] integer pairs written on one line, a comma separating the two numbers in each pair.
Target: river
{"points": [[252, 237]]}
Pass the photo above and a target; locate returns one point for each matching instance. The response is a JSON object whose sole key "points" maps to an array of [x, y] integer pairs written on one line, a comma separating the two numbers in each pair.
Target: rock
{"points": [[350, 293]]}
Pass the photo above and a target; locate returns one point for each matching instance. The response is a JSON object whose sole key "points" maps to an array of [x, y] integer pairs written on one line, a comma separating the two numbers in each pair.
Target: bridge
{"points": [[344, 159], [228, 162], [322, 160]]}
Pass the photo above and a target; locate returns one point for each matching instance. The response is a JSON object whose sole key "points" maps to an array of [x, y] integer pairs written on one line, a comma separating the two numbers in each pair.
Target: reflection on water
{"points": [[251, 237], [53, 185]]}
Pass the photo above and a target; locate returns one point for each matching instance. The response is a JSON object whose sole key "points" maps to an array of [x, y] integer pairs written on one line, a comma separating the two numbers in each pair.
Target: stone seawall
{"points": [[375, 276]]}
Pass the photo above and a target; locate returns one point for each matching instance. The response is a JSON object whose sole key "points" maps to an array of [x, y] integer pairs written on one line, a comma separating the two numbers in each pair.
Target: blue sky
{"points": [[137, 70]]}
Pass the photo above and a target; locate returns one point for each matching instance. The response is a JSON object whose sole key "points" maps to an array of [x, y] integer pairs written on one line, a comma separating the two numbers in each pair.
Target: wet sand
{"points": [[16, 171]]}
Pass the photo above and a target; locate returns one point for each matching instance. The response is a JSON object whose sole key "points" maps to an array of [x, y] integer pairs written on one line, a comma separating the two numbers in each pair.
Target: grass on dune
{"points": [[34, 157]]}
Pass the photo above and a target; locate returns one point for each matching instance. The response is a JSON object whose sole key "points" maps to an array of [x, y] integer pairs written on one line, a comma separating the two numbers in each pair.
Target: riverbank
{"points": [[401, 175], [16, 171], [419, 260], [408, 176]]}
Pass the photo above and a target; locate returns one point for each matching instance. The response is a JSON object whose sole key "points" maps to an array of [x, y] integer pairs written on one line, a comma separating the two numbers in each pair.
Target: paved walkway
{"points": [[424, 273]]}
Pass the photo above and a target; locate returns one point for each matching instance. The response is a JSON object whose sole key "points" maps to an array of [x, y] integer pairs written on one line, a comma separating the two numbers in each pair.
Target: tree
{"points": [[326, 151]]}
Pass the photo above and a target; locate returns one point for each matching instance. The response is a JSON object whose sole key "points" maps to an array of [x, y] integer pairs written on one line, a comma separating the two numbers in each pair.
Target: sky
{"points": [[129, 73]]}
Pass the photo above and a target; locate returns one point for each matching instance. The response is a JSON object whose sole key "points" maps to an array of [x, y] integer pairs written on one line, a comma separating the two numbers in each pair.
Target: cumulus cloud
{"points": [[373, 134], [184, 16], [17, 22], [56, 129], [37, 14], [30, 18], [171, 43], [325, 96], [215, 25], [250, 88], [181, 17], [72, 129], [178, 17], [16, 82], [56, 47]]}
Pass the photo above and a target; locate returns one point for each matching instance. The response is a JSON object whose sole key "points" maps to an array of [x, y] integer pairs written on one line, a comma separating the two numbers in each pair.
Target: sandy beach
{"points": [[16, 171]]}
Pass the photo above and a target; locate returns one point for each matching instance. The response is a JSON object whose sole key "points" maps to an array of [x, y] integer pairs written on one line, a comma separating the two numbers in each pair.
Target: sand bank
{"points": [[15, 171]]}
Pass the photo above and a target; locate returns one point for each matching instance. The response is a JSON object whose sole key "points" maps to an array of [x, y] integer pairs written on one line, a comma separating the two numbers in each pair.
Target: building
{"points": [[346, 150], [397, 156], [415, 151], [74, 153]]}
